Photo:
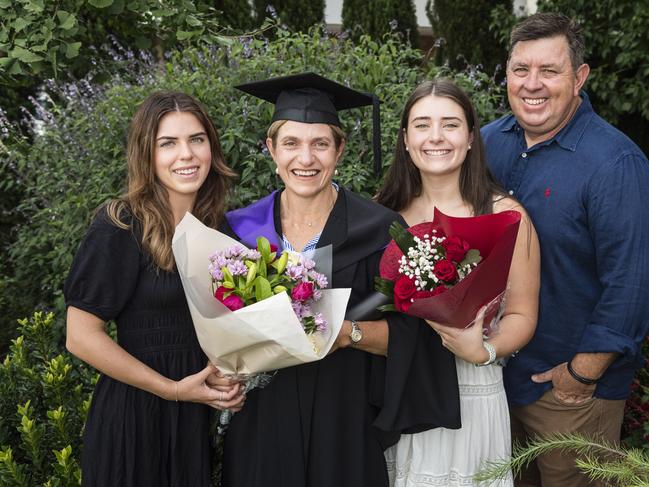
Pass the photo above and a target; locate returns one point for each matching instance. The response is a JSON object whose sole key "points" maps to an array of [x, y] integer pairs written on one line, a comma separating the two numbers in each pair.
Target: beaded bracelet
{"points": [[579, 378]]}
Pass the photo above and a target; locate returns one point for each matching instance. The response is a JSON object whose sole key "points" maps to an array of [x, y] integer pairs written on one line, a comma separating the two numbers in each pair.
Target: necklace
{"points": [[312, 222]]}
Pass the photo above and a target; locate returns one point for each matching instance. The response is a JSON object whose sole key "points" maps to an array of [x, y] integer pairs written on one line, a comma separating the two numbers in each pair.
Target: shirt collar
{"points": [[570, 135]]}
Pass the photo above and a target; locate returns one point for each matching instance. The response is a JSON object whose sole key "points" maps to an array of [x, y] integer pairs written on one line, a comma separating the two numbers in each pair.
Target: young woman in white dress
{"points": [[440, 162]]}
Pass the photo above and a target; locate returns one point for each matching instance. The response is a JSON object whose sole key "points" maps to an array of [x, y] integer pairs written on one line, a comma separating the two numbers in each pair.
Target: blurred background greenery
{"points": [[73, 71]]}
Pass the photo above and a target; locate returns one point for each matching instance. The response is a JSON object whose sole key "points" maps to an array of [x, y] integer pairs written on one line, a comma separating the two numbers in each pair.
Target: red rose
{"points": [[456, 248], [232, 302], [445, 270], [220, 291], [302, 292], [429, 294], [404, 289]]}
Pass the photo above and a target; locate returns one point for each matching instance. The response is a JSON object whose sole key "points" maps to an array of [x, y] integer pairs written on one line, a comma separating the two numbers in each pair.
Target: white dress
{"points": [[445, 457]]}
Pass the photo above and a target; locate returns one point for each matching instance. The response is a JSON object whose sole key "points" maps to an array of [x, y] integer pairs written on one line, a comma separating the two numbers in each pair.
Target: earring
{"points": [[276, 171], [469, 148], [407, 150], [335, 172]]}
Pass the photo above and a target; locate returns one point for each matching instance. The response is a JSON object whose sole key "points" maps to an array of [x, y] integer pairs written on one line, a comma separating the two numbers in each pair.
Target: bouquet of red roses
{"points": [[447, 269]]}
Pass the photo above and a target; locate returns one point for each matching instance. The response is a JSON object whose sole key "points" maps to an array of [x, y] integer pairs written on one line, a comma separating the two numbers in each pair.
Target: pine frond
{"points": [[597, 459]]}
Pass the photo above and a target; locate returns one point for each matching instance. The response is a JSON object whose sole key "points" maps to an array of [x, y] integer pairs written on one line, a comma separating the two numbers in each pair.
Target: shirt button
{"points": [[524, 155], [511, 192]]}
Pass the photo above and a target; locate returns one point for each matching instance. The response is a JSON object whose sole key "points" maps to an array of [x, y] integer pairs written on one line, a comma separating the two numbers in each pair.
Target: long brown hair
{"points": [[146, 199], [403, 182]]}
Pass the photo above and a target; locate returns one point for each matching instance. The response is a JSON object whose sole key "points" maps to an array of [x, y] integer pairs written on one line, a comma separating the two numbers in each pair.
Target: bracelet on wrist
{"points": [[492, 354], [579, 378]]}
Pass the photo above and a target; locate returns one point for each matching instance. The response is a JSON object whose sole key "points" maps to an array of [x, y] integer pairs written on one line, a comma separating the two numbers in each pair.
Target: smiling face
{"points": [[182, 155], [306, 156], [543, 87], [437, 136]]}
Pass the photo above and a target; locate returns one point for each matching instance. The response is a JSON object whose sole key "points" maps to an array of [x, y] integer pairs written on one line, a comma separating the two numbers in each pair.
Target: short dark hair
{"points": [[403, 182], [550, 24]]}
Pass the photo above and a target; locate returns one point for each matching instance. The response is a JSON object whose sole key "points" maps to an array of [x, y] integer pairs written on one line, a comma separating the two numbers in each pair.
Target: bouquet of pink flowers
{"points": [[446, 270], [264, 303], [241, 277]]}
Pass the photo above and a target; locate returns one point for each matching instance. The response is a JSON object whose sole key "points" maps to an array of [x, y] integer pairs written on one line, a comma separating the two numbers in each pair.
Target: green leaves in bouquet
{"points": [[385, 287], [402, 237], [262, 289], [264, 277], [263, 246], [472, 257]]}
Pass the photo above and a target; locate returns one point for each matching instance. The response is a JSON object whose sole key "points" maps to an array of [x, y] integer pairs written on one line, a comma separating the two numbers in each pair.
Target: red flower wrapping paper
{"points": [[494, 236]]}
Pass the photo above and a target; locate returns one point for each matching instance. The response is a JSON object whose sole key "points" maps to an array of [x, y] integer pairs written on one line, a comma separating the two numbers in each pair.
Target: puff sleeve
{"points": [[105, 269]]}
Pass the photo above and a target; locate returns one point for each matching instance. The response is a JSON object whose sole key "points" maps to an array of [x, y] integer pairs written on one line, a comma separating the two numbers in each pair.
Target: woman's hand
{"points": [[209, 387], [464, 343]]}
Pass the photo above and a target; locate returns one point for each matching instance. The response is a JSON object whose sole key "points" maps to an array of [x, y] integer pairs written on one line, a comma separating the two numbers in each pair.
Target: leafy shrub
{"points": [[44, 398], [76, 158]]}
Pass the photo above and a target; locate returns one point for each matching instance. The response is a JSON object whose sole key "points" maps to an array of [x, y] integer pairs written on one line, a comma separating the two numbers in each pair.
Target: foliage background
{"points": [[62, 153]]}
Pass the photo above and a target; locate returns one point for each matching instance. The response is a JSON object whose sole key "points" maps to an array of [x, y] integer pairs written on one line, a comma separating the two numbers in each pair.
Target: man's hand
{"points": [[566, 390]]}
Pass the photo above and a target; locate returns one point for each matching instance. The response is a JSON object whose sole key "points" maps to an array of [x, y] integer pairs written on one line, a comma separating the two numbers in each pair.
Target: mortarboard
{"points": [[311, 98]]}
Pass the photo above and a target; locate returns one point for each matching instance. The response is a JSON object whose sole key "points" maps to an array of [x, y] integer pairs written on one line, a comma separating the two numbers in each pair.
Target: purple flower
{"points": [[253, 255], [237, 268], [320, 279], [320, 322], [234, 251], [297, 308], [215, 272], [295, 272]]}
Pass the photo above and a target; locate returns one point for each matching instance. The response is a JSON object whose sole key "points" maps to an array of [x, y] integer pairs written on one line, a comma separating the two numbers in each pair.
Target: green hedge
{"points": [[76, 158], [44, 398]]}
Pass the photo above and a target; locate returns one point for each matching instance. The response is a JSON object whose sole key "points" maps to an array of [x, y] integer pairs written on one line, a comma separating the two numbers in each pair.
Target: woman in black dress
{"points": [[326, 424], [148, 422]]}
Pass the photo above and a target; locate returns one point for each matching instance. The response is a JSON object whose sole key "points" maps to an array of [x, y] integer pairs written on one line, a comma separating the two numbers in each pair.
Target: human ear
{"points": [[581, 75]]}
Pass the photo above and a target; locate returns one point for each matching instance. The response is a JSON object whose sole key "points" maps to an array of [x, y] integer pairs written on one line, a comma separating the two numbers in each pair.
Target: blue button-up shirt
{"points": [[587, 192]]}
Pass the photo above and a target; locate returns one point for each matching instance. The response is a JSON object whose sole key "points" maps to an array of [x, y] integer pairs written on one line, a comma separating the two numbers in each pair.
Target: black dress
{"points": [[133, 438], [326, 424]]}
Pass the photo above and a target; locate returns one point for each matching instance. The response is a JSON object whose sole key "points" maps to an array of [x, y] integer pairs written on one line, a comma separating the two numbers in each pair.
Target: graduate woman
{"points": [[326, 424], [148, 423]]}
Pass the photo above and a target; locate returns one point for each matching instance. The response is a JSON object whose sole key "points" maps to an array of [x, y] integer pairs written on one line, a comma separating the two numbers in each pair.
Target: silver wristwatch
{"points": [[492, 354], [356, 334]]}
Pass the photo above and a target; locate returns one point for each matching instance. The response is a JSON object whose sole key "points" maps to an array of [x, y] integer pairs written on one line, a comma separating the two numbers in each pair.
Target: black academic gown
{"points": [[326, 424]]}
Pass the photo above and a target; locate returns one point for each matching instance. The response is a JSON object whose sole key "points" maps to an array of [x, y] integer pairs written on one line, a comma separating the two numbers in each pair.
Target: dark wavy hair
{"points": [[544, 25], [403, 182], [146, 198]]}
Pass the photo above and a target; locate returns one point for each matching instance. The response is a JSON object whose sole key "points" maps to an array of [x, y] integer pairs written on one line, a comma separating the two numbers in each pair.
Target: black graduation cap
{"points": [[311, 98]]}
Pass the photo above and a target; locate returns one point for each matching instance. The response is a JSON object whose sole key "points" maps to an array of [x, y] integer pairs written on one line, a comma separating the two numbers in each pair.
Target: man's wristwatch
{"points": [[356, 334], [492, 354]]}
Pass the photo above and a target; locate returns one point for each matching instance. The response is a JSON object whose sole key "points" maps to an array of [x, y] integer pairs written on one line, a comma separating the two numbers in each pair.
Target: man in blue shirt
{"points": [[584, 185]]}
